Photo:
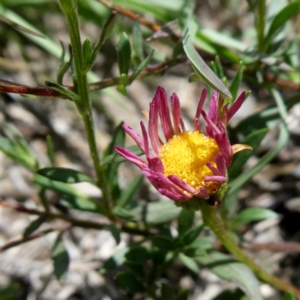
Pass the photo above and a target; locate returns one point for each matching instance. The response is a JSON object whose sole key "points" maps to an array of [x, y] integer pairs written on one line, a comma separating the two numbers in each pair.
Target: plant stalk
{"points": [[212, 219], [69, 7]]}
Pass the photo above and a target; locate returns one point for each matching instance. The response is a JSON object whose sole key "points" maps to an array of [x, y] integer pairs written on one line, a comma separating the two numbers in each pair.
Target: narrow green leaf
{"points": [[253, 214], [236, 81], [280, 19], [105, 34], [198, 247], [34, 225], [128, 282], [219, 68], [185, 220], [163, 243], [63, 90], [111, 169], [189, 262], [17, 153], [65, 175], [226, 268], [19, 27], [141, 67], [190, 235], [50, 150], [87, 49], [137, 41], [193, 252], [201, 68], [63, 66], [239, 159], [123, 213], [124, 54], [75, 202], [130, 191], [65, 189], [118, 139], [60, 257]]}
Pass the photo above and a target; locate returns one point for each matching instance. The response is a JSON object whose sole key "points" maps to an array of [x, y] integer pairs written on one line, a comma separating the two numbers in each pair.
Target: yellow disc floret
{"points": [[186, 155]]}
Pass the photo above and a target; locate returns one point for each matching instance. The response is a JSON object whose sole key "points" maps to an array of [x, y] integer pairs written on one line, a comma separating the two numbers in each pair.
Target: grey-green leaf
{"points": [[156, 212], [202, 69], [226, 268], [253, 214]]}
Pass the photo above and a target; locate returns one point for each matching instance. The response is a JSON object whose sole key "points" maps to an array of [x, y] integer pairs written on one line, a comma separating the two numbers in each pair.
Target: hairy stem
{"points": [[69, 7], [212, 219]]}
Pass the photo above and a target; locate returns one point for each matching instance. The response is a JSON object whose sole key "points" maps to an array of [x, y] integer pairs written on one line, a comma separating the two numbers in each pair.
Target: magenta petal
{"points": [[235, 106], [131, 157], [181, 184], [200, 104], [146, 142], [156, 165], [153, 126], [221, 164], [173, 195], [220, 179], [159, 180], [213, 169], [197, 124], [177, 119], [164, 113], [134, 135], [213, 113]]}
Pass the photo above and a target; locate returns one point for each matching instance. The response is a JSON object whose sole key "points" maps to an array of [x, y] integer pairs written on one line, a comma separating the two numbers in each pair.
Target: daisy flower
{"points": [[182, 164]]}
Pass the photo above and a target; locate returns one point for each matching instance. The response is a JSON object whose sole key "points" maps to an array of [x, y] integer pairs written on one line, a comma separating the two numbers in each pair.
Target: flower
{"points": [[186, 165]]}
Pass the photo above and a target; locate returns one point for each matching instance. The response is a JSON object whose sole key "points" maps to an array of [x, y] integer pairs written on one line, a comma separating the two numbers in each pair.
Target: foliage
{"points": [[168, 236]]}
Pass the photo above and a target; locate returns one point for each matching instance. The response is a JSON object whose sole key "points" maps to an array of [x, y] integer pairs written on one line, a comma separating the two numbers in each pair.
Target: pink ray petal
{"points": [[220, 179], [131, 157], [164, 113], [235, 106], [179, 182]]}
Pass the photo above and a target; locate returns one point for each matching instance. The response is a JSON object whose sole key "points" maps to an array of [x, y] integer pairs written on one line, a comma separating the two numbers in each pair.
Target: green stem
{"points": [[260, 24], [212, 219], [69, 7]]}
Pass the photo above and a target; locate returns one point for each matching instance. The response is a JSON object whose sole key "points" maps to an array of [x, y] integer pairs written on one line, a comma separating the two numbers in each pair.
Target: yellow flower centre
{"points": [[186, 155]]}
